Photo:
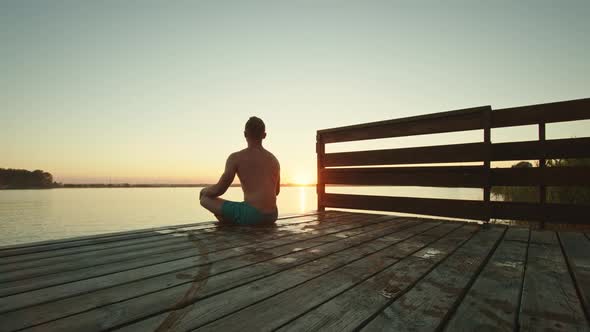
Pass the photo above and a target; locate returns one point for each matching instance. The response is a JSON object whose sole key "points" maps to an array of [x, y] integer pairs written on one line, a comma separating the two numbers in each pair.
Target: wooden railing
{"points": [[481, 176]]}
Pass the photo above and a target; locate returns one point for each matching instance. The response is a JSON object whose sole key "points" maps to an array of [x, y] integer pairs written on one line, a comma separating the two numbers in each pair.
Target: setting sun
{"points": [[302, 179]]}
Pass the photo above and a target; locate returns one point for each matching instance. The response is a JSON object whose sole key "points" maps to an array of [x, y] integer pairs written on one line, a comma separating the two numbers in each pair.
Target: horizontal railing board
{"points": [[466, 209], [467, 119], [535, 176], [457, 176], [556, 213], [467, 152], [460, 120], [555, 148], [570, 110], [444, 176]]}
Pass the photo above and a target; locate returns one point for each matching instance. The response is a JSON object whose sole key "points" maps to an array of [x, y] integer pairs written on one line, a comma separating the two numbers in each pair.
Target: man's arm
{"points": [[279, 179], [225, 181]]}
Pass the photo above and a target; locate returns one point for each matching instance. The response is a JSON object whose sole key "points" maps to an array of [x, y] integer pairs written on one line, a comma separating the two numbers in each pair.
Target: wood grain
{"points": [[549, 299], [176, 289], [44, 289], [493, 301], [297, 285], [577, 247], [349, 309], [427, 304]]}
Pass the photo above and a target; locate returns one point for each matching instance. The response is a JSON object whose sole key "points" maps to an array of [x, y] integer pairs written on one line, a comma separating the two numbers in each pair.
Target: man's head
{"points": [[255, 130]]}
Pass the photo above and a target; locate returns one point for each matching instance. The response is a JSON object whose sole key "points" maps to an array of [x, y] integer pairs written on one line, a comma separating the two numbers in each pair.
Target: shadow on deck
{"points": [[327, 271]]}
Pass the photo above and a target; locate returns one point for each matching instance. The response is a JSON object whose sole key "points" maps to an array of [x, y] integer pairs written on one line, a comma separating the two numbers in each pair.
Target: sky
{"points": [[159, 91]]}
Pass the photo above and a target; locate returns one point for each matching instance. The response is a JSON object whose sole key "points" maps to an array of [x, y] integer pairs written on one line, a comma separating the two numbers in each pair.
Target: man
{"points": [[259, 174]]}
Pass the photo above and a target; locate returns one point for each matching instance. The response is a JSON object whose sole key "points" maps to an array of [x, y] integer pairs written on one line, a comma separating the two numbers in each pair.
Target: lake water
{"points": [[38, 215]]}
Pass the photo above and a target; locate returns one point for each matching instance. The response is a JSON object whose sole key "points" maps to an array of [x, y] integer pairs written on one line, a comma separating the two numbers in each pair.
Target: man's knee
{"points": [[208, 203], [203, 201]]}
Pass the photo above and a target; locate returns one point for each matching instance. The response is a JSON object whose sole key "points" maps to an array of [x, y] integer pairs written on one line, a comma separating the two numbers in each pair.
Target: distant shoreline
{"points": [[127, 185]]}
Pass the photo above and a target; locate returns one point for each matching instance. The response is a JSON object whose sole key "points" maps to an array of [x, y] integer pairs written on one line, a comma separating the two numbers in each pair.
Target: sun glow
{"points": [[302, 179]]}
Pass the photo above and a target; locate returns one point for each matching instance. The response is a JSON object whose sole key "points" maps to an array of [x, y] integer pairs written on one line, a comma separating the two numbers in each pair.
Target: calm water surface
{"points": [[37, 215]]}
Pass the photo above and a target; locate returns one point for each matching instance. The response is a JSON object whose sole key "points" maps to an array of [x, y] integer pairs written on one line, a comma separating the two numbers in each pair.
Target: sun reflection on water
{"points": [[302, 199]]}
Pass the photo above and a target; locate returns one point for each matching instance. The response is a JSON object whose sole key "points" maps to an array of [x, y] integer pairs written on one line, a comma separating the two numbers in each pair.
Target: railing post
{"points": [[487, 139], [542, 188], [320, 186]]}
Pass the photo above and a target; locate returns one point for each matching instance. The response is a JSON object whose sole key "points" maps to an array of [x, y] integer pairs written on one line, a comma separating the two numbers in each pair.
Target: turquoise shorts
{"points": [[242, 213]]}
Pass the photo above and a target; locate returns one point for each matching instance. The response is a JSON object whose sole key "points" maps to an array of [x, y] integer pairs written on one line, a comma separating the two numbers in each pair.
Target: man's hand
{"points": [[225, 181], [203, 193]]}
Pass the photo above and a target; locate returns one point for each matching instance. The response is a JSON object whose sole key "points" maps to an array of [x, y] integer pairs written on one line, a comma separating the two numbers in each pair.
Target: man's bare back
{"points": [[259, 174]]}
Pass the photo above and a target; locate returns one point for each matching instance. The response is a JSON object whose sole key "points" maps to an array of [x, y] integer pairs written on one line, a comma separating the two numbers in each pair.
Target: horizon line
{"points": [[125, 184]]}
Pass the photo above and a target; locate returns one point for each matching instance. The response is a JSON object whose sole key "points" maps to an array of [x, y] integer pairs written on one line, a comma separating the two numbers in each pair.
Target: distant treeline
{"points": [[23, 179], [128, 185], [565, 195]]}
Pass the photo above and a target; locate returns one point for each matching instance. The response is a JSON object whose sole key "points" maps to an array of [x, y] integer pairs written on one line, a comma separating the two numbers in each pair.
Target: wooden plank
{"points": [[102, 257], [487, 140], [518, 233], [576, 248], [493, 301], [191, 260], [71, 240], [18, 286], [468, 152], [67, 254], [343, 266], [554, 148], [141, 230], [84, 242], [549, 299], [176, 289], [278, 310], [201, 228], [550, 213], [430, 206], [442, 176], [320, 185], [12, 263], [348, 310], [466, 119], [129, 273], [426, 306], [535, 176], [570, 110], [283, 218], [284, 307], [81, 241], [178, 240], [542, 165]]}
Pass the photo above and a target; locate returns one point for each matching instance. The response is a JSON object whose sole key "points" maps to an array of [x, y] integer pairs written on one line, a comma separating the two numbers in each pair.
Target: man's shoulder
{"points": [[275, 158], [246, 154], [234, 157], [272, 156], [237, 154]]}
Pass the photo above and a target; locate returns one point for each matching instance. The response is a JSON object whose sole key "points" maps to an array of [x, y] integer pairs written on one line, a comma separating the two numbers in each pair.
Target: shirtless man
{"points": [[259, 174]]}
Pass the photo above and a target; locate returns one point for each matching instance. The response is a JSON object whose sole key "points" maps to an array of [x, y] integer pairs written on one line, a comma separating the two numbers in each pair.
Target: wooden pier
{"points": [[327, 271], [342, 271]]}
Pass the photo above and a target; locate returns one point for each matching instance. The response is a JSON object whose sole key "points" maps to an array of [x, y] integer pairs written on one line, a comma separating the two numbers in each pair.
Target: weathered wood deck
{"points": [[332, 271]]}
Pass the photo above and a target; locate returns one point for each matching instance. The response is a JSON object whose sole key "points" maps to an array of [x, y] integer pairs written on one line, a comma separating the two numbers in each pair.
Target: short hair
{"points": [[255, 128]]}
